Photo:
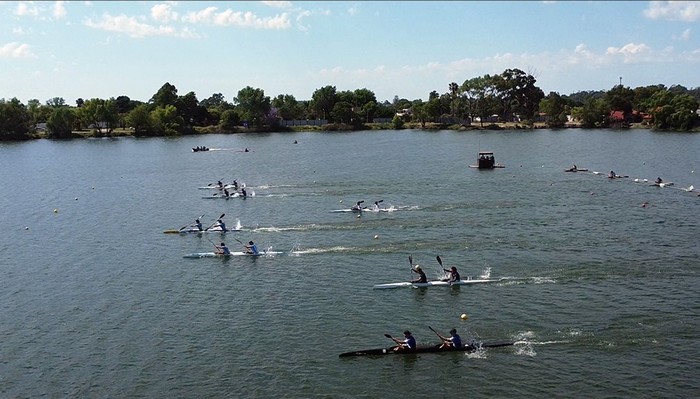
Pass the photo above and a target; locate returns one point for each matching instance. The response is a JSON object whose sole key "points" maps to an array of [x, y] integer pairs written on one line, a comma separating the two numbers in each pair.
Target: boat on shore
{"points": [[426, 349], [486, 160]]}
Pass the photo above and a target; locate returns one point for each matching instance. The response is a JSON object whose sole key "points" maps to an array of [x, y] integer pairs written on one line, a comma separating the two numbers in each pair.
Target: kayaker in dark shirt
{"points": [[408, 343], [251, 248], [454, 340], [222, 249], [454, 274], [421, 275]]}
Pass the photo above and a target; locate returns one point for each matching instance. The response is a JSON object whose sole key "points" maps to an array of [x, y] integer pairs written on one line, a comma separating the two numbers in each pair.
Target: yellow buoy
{"points": [[376, 236], [464, 316], [55, 210]]}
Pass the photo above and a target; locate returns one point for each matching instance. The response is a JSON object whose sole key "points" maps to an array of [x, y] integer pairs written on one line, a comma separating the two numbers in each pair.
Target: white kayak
{"points": [[197, 231], [232, 195], [436, 283], [197, 255], [214, 186]]}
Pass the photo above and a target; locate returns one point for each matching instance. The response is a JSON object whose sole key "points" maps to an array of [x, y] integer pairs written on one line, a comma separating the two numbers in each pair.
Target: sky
{"points": [[105, 49]]}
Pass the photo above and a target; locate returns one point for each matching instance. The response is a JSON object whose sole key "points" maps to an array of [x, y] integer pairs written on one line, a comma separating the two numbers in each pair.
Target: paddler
{"points": [[358, 206], [251, 248], [454, 340], [454, 274], [421, 275], [408, 343], [220, 223], [198, 224], [222, 249]]}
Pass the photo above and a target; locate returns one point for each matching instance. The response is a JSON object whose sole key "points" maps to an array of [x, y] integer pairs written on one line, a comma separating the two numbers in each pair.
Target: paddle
{"points": [[437, 333], [439, 261], [410, 262], [212, 225]]}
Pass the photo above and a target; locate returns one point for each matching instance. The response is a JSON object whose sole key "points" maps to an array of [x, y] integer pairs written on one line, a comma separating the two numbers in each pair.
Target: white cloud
{"points": [[631, 52], [229, 17], [15, 50], [688, 11], [163, 13], [24, 9], [59, 11], [130, 26], [278, 4]]}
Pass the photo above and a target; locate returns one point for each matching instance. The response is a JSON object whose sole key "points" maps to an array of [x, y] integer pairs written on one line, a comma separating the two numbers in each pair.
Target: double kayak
{"points": [[426, 349], [198, 255], [436, 283], [198, 231]]}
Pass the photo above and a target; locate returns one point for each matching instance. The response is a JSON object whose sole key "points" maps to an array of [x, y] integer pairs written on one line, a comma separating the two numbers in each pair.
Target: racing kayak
{"points": [[193, 229], [426, 349], [233, 195], [436, 283], [197, 255]]}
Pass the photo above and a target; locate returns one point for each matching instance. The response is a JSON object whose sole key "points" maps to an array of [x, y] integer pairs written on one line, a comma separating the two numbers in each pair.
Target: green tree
{"points": [[555, 107], [140, 120], [595, 113], [56, 102], [287, 106], [229, 119], [166, 120], [252, 105], [60, 123], [343, 113], [15, 121], [674, 111], [166, 95], [518, 94], [323, 100], [99, 114], [397, 122]]}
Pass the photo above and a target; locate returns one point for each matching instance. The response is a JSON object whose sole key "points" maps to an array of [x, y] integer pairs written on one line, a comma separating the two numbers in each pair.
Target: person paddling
{"points": [[408, 343], [357, 207], [220, 223], [198, 224], [251, 248], [222, 249], [454, 274], [453, 341], [421, 275]]}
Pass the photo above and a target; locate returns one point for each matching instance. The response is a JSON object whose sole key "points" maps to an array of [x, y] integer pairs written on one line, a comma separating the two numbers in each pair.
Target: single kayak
{"points": [[197, 255], [426, 349], [436, 283]]}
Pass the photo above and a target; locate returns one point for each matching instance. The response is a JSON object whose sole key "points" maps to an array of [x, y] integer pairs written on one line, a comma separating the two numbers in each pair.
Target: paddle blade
{"points": [[172, 231], [410, 260], [388, 336], [439, 260], [222, 216]]}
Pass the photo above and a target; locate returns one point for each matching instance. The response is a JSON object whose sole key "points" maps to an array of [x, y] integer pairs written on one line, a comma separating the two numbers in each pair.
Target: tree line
{"points": [[511, 96]]}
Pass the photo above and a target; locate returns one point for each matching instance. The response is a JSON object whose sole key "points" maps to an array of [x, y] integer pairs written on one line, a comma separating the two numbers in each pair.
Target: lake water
{"points": [[600, 292]]}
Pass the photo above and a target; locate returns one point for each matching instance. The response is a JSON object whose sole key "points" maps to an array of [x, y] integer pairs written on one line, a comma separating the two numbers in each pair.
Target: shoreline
{"points": [[129, 132]]}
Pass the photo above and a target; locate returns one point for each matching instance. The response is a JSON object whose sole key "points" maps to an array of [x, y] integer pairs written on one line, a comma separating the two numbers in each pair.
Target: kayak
{"points": [[426, 349], [196, 230], [233, 195], [197, 255], [436, 283], [214, 186]]}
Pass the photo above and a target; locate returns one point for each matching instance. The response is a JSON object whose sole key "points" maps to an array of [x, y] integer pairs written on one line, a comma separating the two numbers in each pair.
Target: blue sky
{"points": [[103, 49]]}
